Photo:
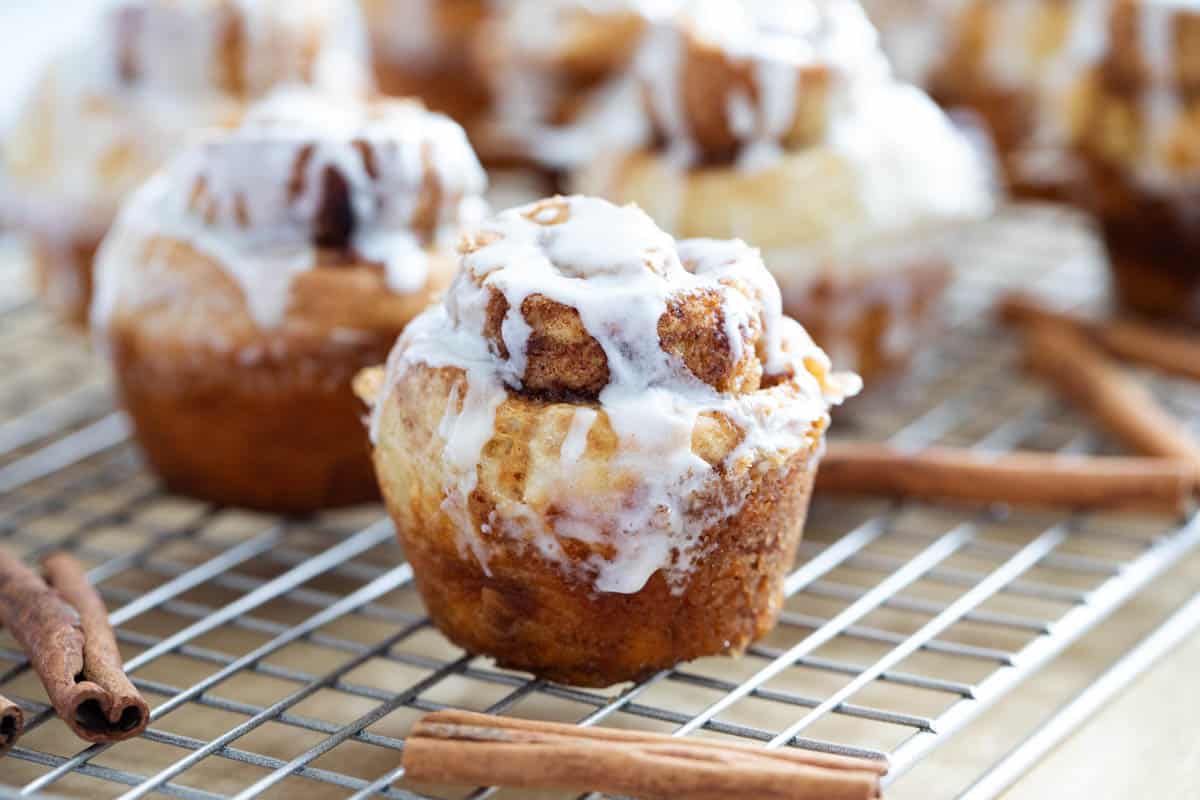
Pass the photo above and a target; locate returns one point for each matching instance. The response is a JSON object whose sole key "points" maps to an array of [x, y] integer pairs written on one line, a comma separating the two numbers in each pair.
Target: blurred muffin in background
{"points": [[1011, 62], [111, 109], [782, 125], [1135, 123], [559, 73], [244, 286], [422, 48]]}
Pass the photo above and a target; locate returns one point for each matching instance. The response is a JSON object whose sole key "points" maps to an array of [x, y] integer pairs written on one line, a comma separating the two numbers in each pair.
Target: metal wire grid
{"points": [[292, 655]]}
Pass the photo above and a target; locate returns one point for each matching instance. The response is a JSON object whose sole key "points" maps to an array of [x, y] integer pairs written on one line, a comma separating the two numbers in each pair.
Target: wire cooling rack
{"points": [[289, 657]]}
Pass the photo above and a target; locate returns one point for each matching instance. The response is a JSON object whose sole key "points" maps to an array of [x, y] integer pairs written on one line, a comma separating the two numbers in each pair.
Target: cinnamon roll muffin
{"points": [[782, 125], [598, 450], [244, 286], [1136, 125], [112, 108], [422, 48], [559, 75]]}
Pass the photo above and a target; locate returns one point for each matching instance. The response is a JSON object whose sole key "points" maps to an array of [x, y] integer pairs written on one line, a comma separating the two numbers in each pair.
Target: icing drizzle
{"points": [[388, 180], [621, 274], [775, 44]]}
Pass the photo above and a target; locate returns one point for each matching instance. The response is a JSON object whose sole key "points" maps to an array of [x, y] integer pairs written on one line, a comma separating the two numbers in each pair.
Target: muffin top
{"points": [[675, 353], [577, 300], [570, 311], [310, 179]]}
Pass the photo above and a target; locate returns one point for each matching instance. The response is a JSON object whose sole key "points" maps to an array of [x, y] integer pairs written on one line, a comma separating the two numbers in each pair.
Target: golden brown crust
{"points": [[694, 330], [230, 413], [284, 435], [534, 614]]}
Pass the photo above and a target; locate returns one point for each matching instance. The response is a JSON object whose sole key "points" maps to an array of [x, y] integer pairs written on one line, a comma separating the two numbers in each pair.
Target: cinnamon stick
{"points": [[1026, 479], [1138, 342], [1125, 408], [463, 748], [63, 628], [12, 724]]}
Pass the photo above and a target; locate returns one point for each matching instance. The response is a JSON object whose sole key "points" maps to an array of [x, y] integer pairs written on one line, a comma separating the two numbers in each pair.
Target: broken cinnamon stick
{"points": [[12, 724], [1125, 408], [463, 748], [1138, 342], [1025, 479], [63, 628]]}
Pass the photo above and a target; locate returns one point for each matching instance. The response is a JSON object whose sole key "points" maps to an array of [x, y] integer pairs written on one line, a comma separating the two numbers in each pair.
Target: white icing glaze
{"points": [[406, 31], [575, 444], [777, 41], [92, 132], [915, 169], [619, 271], [610, 118], [252, 199]]}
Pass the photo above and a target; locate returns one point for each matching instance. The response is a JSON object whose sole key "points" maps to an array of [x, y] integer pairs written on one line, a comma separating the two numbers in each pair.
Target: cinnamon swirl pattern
{"points": [[598, 449], [115, 105], [781, 124], [244, 286]]}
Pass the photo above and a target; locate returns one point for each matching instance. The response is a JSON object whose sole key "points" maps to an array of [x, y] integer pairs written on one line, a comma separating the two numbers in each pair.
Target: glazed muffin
{"points": [[782, 125], [244, 286], [1011, 63], [111, 109], [559, 77], [598, 450], [422, 48], [1135, 122]]}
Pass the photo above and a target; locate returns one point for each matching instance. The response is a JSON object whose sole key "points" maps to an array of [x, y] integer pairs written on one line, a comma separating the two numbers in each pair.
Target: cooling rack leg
{"points": [[1006, 772]]}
